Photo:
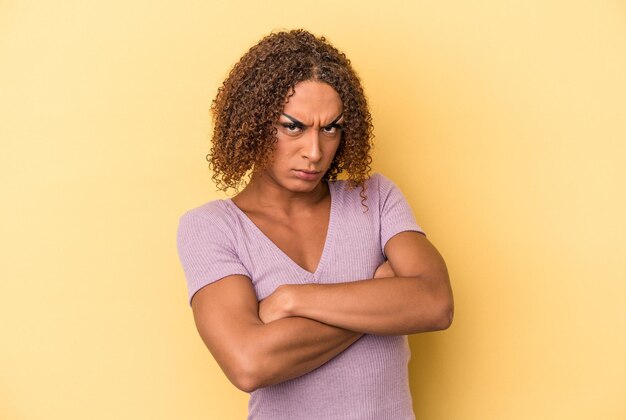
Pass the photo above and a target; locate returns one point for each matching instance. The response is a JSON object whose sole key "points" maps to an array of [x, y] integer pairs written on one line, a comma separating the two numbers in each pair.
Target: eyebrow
{"points": [[301, 124]]}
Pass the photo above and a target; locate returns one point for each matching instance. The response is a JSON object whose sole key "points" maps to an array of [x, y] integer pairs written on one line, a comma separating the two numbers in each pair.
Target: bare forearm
{"points": [[253, 353], [409, 293], [288, 348], [396, 305], [259, 355]]}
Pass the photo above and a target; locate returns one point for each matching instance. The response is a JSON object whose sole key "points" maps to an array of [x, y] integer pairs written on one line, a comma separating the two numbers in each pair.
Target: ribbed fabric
{"points": [[369, 380]]}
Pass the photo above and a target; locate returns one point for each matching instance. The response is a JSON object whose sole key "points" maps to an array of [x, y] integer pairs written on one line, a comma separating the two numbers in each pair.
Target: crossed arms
{"points": [[300, 327]]}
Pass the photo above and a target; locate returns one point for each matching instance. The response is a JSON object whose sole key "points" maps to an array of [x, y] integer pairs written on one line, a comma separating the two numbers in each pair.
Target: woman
{"points": [[304, 287]]}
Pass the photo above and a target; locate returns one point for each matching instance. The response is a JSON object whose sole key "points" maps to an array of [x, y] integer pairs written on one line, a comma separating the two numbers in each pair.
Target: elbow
{"points": [[444, 315], [245, 383], [444, 306], [445, 318], [437, 315], [437, 318], [249, 372], [245, 377]]}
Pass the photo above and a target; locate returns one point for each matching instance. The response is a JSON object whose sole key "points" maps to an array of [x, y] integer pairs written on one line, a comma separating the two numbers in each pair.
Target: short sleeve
{"points": [[207, 251], [395, 213]]}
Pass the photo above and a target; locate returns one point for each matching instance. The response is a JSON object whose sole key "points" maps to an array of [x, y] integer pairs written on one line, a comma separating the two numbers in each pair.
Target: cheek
{"points": [[331, 149], [282, 152]]}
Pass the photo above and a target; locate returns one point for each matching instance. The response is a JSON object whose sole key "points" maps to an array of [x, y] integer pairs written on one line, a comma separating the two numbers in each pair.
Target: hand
{"points": [[276, 306], [384, 270]]}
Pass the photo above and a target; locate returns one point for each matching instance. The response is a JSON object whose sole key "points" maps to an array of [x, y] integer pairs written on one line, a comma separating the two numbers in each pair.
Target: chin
{"points": [[301, 186], [295, 184]]}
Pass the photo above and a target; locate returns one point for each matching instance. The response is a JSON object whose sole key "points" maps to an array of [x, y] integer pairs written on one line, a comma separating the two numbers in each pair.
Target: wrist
{"points": [[291, 298], [300, 296]]}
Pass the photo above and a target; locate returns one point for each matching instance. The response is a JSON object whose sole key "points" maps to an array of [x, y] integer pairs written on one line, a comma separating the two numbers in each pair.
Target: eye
{"points": [[291, 128], [331, 129]]}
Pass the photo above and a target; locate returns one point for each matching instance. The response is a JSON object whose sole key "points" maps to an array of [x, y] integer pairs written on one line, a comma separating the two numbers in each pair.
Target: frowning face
{"points": [[308, 135]]}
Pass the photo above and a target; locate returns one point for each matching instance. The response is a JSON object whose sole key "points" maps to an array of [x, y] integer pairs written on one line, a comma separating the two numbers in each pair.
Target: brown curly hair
{"points": [[252, 97]]}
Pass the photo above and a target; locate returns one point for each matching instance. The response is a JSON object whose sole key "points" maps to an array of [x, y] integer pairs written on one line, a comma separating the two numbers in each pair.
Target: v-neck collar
{"points": [[327, 242]]}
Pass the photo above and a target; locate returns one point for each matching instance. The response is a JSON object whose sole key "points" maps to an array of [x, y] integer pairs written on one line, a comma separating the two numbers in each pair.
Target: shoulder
{"points": [[213, 211], [375, 189], [215, 216], [381, 185], [208, 244], [375, 182]]}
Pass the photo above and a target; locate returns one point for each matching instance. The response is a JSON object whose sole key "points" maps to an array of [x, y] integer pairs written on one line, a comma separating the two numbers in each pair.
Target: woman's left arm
{"points": [[418, 298]]}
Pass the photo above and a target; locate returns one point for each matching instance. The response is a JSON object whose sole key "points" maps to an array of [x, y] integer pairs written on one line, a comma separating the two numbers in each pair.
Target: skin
{"points": [[291, 206], [300, 327]]}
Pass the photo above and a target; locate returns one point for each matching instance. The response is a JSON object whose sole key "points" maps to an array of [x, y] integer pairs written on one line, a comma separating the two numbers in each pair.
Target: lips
{"points": [[306, 174]]}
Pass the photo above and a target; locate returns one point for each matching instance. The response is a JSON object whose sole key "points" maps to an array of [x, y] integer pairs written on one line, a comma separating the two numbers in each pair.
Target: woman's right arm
{"points": [[253, 354]]}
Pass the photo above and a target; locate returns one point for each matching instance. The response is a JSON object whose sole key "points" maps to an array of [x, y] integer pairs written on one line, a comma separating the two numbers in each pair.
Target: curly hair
{"points": [[252, 97]]}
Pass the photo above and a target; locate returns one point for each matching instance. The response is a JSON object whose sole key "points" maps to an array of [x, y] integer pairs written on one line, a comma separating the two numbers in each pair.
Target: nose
{"points": [[311, 148]]}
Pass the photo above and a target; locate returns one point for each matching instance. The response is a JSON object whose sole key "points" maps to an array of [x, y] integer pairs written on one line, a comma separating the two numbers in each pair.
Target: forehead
{"points": [[313, 99]]}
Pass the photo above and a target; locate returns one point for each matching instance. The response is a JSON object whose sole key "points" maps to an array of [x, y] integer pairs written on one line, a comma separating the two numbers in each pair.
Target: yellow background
{"points": [[503, 122]]}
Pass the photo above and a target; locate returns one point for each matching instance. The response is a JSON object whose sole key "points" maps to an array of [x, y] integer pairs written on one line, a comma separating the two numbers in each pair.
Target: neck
{"points": [[263, 192]]}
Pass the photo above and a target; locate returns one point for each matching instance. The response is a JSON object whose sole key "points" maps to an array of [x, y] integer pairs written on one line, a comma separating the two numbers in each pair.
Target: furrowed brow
{"points": [[334, 122], [294, 121], [301, 124]]}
